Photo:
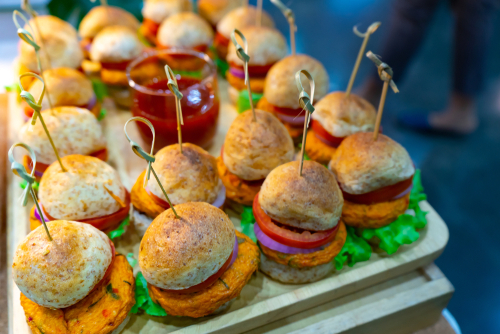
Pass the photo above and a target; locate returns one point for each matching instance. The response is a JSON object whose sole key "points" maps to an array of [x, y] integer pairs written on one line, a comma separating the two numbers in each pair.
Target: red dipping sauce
{"points": [[197, 80]]}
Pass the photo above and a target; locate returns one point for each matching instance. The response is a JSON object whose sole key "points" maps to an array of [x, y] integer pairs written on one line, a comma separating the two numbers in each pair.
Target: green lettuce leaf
{"points": [[100, 89], [355, 250], [131, 259], [23, 185], [120, 230], [189, 74], [143, 301], [247, 221], [243, 103], [404, 230], [102, 114], [144, 40], [222, 65], [14, 88]]}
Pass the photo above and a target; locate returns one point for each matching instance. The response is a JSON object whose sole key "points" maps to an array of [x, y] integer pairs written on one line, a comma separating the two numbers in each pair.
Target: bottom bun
{"points": [[233, 95], [141, 221], [287, 274]]}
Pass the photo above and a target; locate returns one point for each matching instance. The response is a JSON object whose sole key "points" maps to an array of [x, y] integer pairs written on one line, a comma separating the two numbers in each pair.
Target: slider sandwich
{"points": [[75, 283], [214, 10]]}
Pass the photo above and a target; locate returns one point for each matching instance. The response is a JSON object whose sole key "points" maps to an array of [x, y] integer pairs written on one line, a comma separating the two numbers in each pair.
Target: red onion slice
{"points": [[235, 253], [326, 141], [237, 72], [221, 197], [403, 193], [294, 120], [37, 215]]}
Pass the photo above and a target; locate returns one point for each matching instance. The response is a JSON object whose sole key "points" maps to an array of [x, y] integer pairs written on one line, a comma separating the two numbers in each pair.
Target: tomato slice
{"points": [[287, 111], [158, 200], [120, 66], [253, 70], [384, 194], [108, 271], [293, 237], [151, 26], [220, 40], [326, 137]]}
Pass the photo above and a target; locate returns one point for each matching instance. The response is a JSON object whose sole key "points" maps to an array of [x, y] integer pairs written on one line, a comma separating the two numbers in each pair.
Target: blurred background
{"points": [[460, 173]]}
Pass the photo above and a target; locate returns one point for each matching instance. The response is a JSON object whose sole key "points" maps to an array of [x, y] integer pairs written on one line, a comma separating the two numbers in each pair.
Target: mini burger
{"points": [[73, 130], [156, 11], [252, 149], [335, 118], [238, 18], [266, 46], [66, 87], [375, 177], [190, 176], [101, 17], [75, 283], [214, 10], [196, 264], [90, 191], [114, 48], [280, 91], [298, 224]]}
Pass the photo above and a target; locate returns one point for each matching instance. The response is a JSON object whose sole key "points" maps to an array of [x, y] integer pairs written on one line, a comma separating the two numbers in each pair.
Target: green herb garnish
{"points": [[109, 289], [120, 230], [247, 221], [143, 301], [243, 103]]}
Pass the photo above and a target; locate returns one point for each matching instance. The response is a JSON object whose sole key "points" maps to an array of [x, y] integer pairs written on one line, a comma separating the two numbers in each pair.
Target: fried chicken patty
{"points": [[142, 201], [257, 84], [237, 189], [317, 150]]}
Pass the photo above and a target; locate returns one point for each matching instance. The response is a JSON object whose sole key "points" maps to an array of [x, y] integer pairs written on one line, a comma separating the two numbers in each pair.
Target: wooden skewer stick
{"points": [[242, 54], [385, 74], [366, 36], [288, 13], [26, 6], [306, 103], [259, 13], [174, 88], [149, 157], [20, 171]]}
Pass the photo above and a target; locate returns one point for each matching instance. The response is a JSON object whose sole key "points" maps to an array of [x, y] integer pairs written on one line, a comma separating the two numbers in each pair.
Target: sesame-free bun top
{"points": [[312, 201], [190, 176], [214, 10], [115, 44], [178, 253], [265, 46], [159, 10], [240, 18], [342, 116], [60, 43], [363, 164], [73, 131], [60, 273], [101, 17], [280, 88], [67, 87], [185, 30], [79, 193], [253, 149]]}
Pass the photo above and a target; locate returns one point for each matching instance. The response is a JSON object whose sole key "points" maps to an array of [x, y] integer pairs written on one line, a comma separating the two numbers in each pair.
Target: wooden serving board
{"points": [[262, 300]]}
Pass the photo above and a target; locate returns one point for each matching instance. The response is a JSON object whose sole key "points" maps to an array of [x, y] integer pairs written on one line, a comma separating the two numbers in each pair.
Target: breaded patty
{"points": [[141, 199], [237, 189], [257, 84], [317, 150]]}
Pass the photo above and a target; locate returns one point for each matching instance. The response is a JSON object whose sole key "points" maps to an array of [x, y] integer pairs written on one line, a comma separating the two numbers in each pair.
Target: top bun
{"points": [[253, 149], [185, 30], [178, 253], [280, 89], [60, 273], [188, 177], [265, 46], [159, 10], [214, 10], [60, 43], [312, 201], [363, 164], [240, 18], [115, 44], [66, 87], [73, 130], [342, 116], [79, 193], [101, 17]]}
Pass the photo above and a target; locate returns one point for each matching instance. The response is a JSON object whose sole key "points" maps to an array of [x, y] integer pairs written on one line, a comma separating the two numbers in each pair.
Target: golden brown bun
{"points": [[159, 10], [281, 89], [240, 18], [237, 190], [253, 149], [101, 17], [312, 201], [185, 30], [65, 86], [190, 176], [177, 253], [60, 273], [342, 116], [214, 10], [79, 193], [363, 164], [60, 43], [115, 44], [265, 46]]}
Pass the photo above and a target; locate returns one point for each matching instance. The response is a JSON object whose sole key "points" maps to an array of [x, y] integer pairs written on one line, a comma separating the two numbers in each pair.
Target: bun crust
{"points": [[177, 253], [73, 130], [214, 10], [240, 18], [342, 116], [159, 10], [185, 30], [265, 46], [281, 90], [85, 181], [312, 201], [60, 273], [253, 149], [362, 164], [188, 177], [115, 44], [101, 17]]}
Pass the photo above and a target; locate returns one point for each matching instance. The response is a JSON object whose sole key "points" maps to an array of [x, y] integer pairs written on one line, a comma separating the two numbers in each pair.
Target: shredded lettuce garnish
{"points": [[23, 185], [14, 88], [102, 114], [120, 230], [243, 103], [247, 221], [143, 301], [100, 89], [355, 250], [189, 74], [131, 259]]}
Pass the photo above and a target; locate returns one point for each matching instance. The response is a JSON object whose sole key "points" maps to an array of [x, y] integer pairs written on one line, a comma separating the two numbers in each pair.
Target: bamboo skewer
{"points": [[290, 16], [306, 103], [174, 88]]}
